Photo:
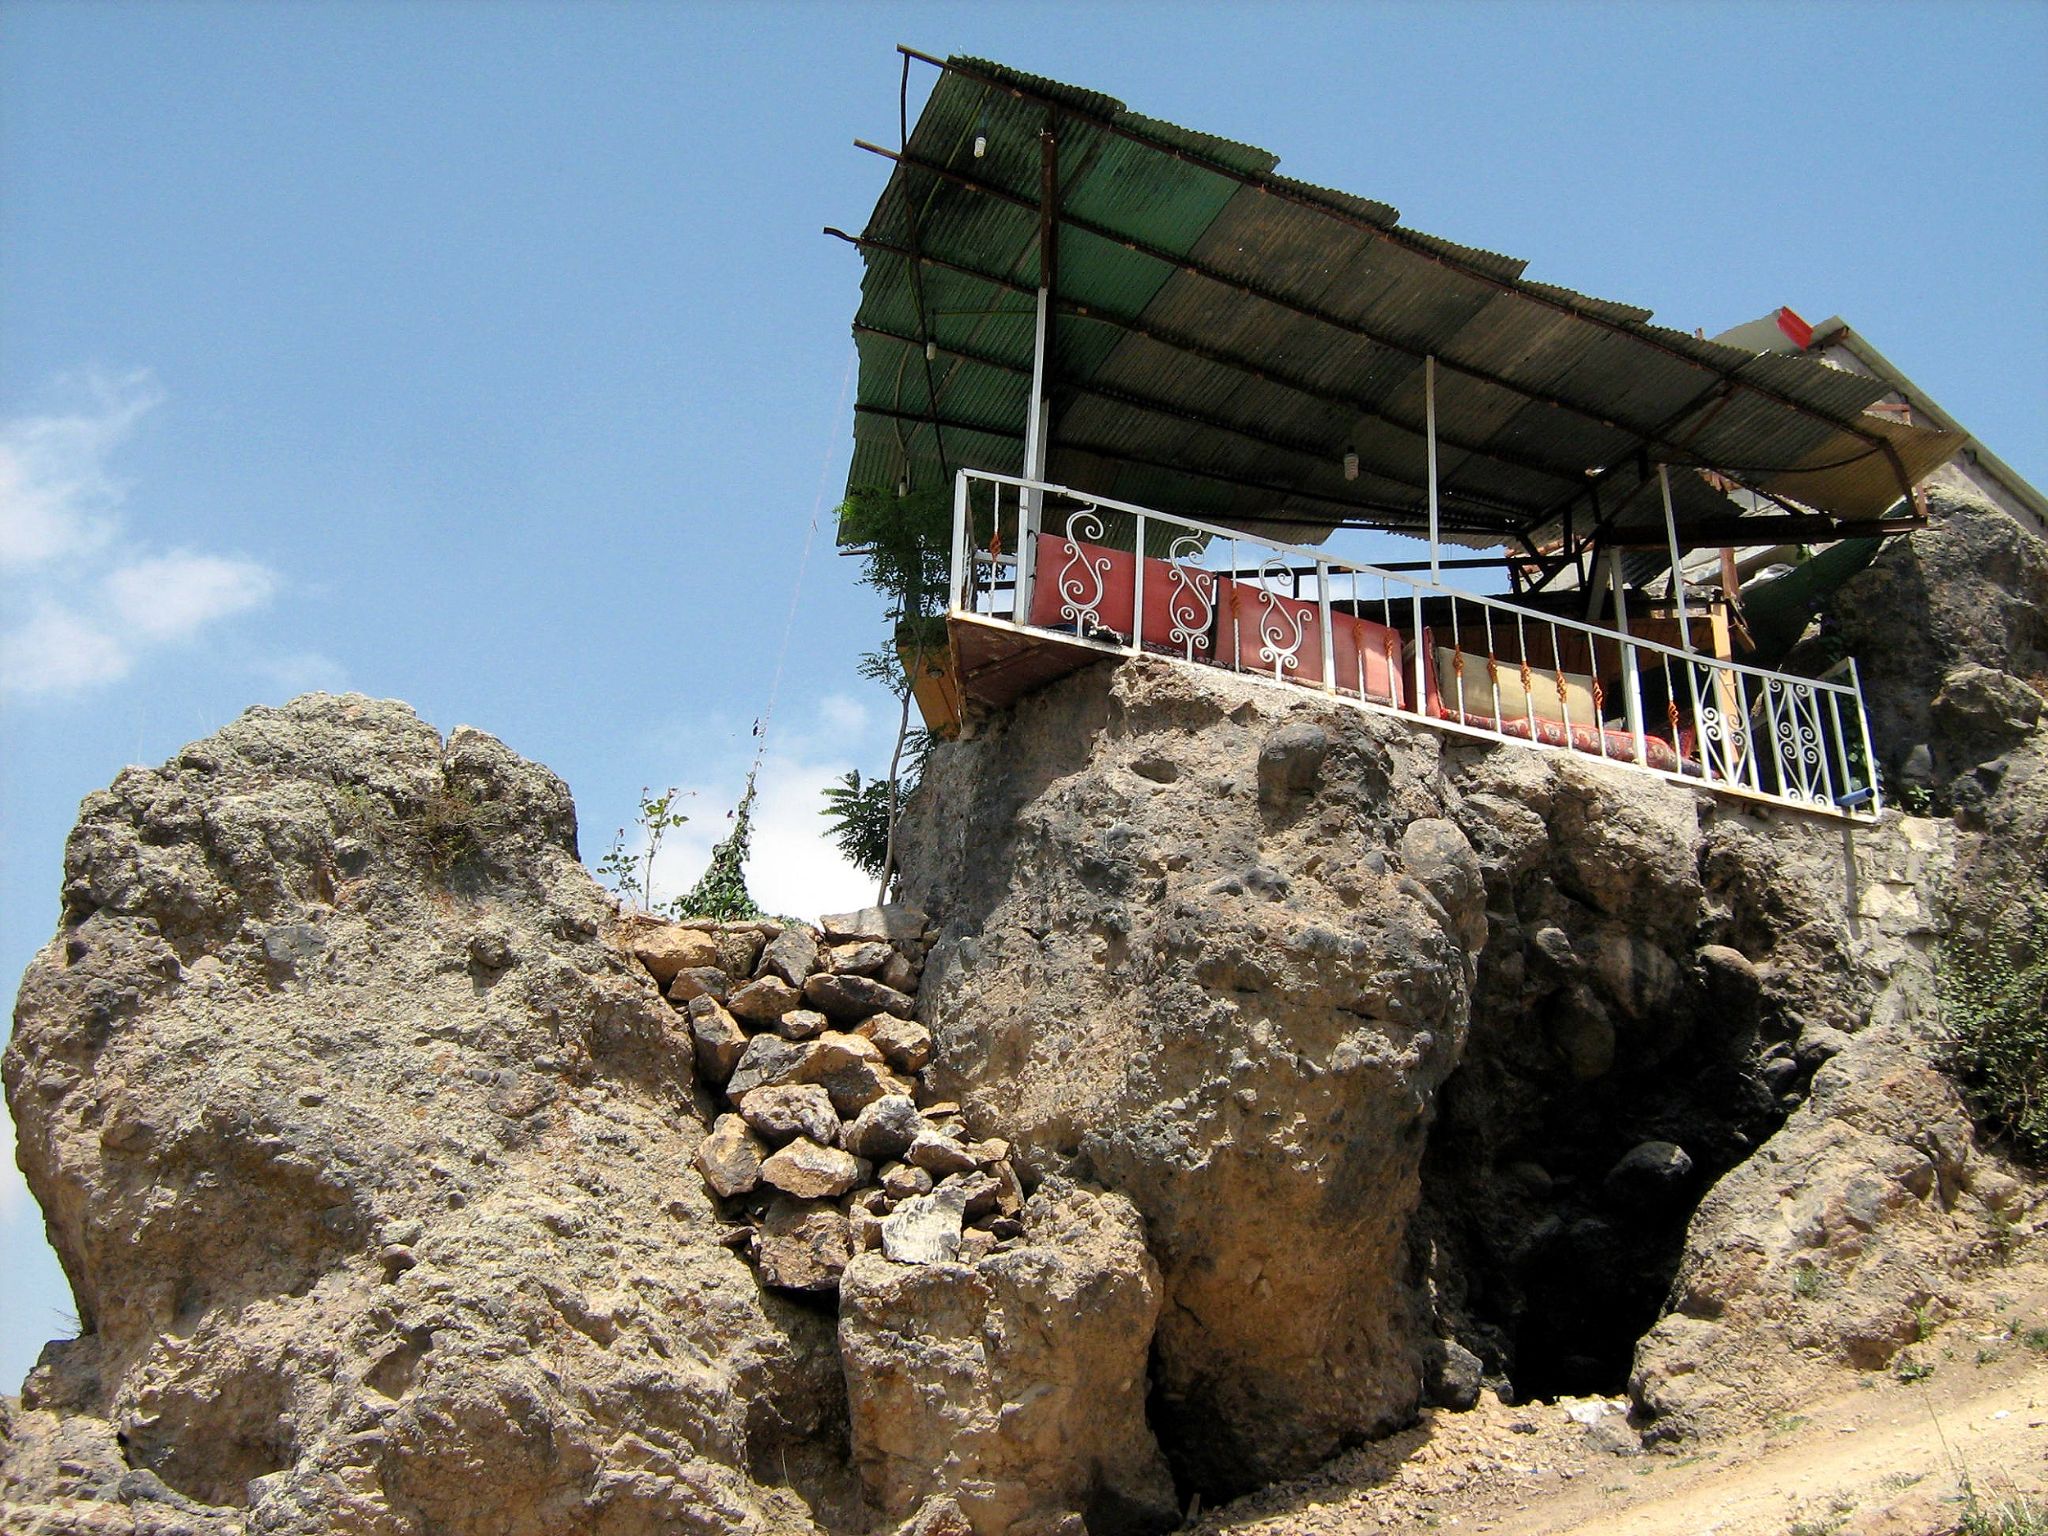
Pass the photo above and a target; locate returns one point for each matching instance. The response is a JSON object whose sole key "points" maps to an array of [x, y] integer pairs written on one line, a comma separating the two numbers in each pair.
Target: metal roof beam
{"points": [[1270, 188], [1138, 402], [1221, 359], [1724, 532], [1244, 286], [1420, 514]]}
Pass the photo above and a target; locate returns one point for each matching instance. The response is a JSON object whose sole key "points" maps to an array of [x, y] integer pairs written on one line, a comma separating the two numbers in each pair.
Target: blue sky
{"points": [[489, 356]]}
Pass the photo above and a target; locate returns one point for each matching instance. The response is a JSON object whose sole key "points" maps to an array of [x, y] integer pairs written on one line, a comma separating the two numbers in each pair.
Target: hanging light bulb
{"points": [[931, 351], [1350, 463], [980, 145]]}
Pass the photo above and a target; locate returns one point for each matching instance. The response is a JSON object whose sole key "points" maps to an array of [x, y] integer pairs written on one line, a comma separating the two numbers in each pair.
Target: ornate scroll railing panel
{"points": [[1126, 579]]}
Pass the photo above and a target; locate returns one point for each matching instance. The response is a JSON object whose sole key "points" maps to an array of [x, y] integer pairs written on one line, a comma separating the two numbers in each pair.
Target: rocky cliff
{"points": [[1293, 1071]]}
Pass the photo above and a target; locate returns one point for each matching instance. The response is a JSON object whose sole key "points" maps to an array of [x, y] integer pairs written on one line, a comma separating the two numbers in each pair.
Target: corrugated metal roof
{"points": [[1225, 334]]}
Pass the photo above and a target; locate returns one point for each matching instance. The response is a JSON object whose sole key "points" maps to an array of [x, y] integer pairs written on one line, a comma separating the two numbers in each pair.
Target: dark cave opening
{"points": [[1561, 1175]]}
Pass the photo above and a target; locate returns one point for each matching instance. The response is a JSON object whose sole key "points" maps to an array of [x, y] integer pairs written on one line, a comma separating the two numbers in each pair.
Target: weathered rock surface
{"points": [[1014, 1386], [812, 1172], [1930, 617], [1220, 993], [369, 1162]]}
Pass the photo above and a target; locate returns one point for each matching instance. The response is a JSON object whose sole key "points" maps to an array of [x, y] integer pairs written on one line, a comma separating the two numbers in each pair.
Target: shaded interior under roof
{"points": [[1222, 335]]}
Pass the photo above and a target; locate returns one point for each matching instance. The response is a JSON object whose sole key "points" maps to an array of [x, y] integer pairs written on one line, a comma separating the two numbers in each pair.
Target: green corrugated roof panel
{"points": [[1318, 294]]}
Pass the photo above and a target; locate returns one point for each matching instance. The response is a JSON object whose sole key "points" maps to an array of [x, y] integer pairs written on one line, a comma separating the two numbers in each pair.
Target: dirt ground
{"points": [[1894, 1453]]}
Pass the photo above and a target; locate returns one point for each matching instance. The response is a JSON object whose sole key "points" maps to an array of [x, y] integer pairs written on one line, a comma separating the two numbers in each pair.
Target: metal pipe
{"points": [[1429, 413], [1677, 572], [1317, 453], [1177, 342]]}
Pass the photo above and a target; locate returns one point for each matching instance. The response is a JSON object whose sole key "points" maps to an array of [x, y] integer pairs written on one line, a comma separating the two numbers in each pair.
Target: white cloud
{"points": [[57, 497], [173, 596], [56, 651], [843, 714], [97, 597]]}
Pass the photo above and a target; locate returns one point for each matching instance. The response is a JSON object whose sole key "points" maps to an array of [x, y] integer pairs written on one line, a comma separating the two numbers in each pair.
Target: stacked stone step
{"points": [[828, 1144]]}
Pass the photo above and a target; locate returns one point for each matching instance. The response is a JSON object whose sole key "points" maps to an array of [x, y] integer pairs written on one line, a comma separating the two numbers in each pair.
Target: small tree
{"points": [[630, 874], [722, 892], [902, 540]]}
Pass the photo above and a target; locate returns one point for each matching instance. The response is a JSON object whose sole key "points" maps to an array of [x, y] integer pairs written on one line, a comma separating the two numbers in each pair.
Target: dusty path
{"points": [[1872, 1456]]}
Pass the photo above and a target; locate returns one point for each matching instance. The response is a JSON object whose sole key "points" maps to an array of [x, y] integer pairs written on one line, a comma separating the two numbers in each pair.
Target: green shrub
{"points": [[1994, 1003]]}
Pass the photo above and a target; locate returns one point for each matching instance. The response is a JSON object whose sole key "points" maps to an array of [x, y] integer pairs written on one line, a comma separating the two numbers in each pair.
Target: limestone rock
{"points": [[699, 981], [888, 924], [1290, 760], [666, 948], [812, 1172], [853, 998], [739, 947], [791, 1110], [730, 1157], [899, 972], [925, 1229], [904, 1043], [851, 1069], [801, 1024], [1235, 1013], [959, 1391], [862, 958], [804, 1245], [884, 1129], [791, 955], [719, 1042], [403, 1243], [902, 1181], [769, 1062], [939, 1155], [1452, 1376], [763, 1000]]}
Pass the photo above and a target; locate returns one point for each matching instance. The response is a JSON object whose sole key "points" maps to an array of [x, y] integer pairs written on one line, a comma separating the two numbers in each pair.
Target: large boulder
{"points": [[369, 1162], [1014, 1386], [1929, 617], [1216, 986]]}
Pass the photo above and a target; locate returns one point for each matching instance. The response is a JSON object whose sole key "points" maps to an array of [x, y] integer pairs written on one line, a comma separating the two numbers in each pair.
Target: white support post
{"points": [[1031, 504], [963, 554], [1677, 571], [1429, 412], [1631, 673]]}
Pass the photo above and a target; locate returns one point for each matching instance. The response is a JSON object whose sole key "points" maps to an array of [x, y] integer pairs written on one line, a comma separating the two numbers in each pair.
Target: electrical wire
{"points": [[796, 591]]}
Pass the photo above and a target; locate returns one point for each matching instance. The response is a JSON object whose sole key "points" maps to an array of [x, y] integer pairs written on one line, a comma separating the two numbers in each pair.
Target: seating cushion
{"points": [[1261, 631], [1541, 698], [1089, 588], [1608, 741]]}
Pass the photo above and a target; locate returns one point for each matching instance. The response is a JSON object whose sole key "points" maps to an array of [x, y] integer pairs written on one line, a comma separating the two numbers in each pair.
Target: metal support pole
{"points": [[1036, 427], [1677, 572], [1429, 422], [963, 552], [1631, 672]]}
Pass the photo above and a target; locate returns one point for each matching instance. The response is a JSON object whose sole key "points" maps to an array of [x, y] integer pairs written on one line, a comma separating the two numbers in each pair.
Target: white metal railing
{"points": [[1128, 580]]}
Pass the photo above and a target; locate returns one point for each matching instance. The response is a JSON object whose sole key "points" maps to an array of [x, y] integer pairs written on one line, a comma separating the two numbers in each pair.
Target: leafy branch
{"points": [[903, 540]]}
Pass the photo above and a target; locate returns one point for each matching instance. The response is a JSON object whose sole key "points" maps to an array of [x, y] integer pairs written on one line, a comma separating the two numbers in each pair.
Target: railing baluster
{"points": [[1841, 743], [1421, 690], [1869, 752], [1817, 740], [1329, 645], [1632, 703], [1137, 641]]}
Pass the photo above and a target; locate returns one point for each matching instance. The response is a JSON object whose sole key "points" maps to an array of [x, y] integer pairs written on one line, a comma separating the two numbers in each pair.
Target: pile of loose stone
{"points": [[829, 1144]]}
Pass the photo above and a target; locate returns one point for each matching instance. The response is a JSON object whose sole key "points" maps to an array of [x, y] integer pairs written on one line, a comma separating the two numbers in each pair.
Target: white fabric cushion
{"points": [[1514, 704]]}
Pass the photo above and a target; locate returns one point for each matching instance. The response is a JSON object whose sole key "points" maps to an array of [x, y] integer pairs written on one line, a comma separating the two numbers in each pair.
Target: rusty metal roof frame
{"points": [[1225, 336]]}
